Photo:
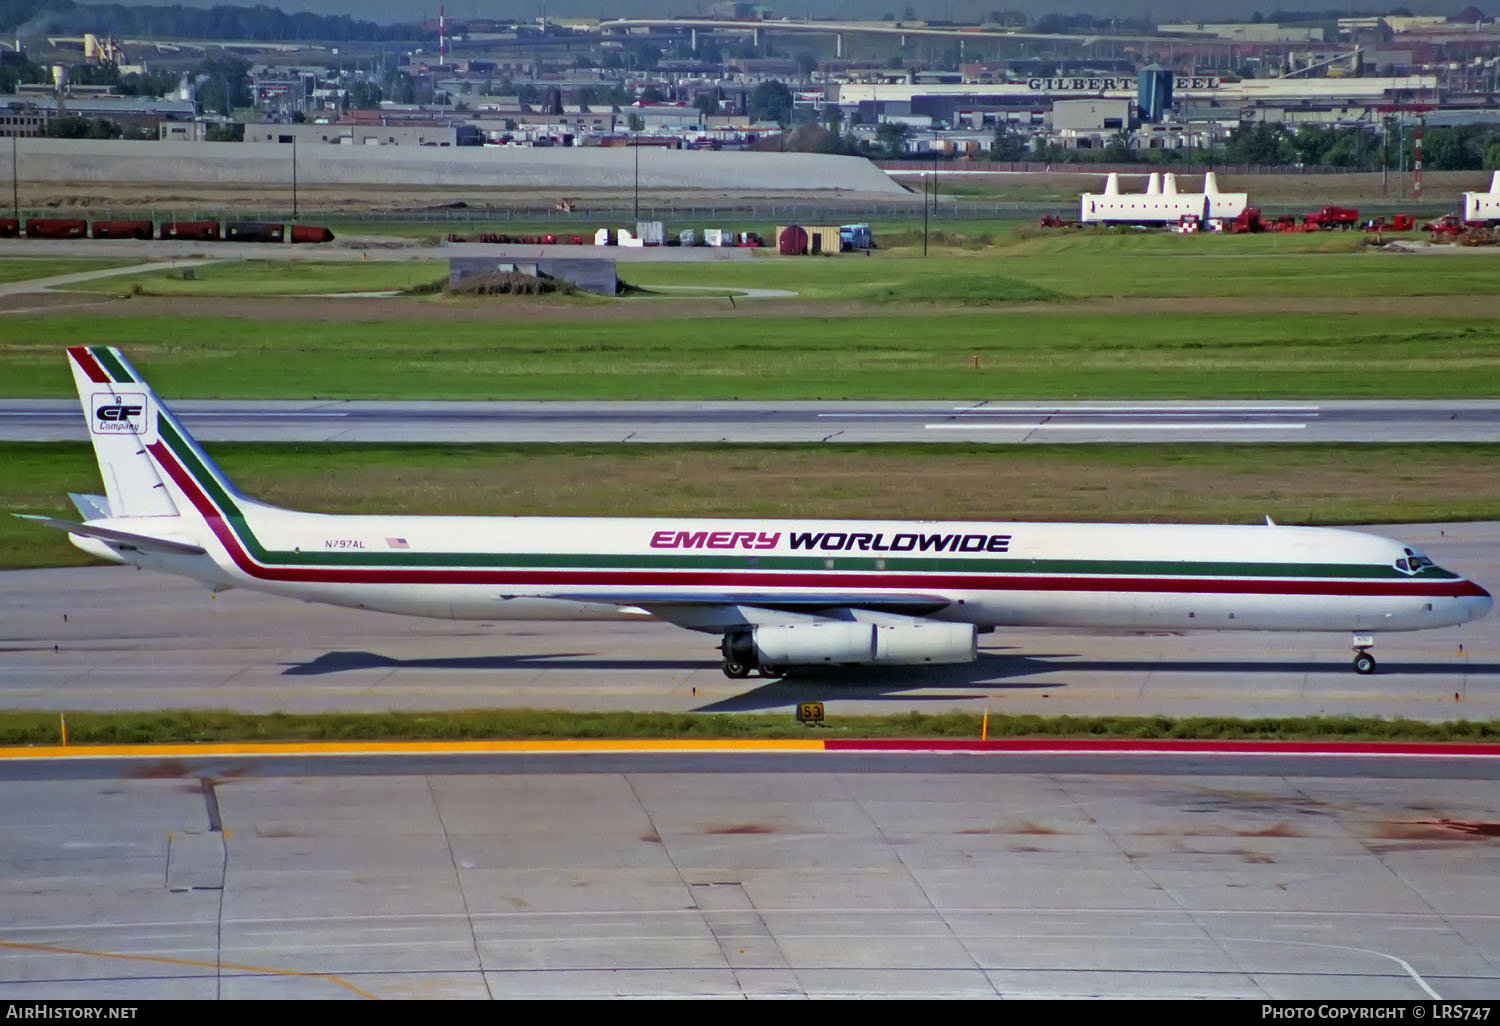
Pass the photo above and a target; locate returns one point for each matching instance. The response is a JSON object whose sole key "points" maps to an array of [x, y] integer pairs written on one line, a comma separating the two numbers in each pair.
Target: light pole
{"points": [[635, 144], [924, 214], [15, 190], [294, 175]]}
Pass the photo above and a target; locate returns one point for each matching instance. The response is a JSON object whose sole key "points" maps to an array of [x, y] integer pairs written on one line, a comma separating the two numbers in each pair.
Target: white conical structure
{"points": [[1169, 184], [1112, 183], [1153, 185], [1495, 182], [1210, 184]]}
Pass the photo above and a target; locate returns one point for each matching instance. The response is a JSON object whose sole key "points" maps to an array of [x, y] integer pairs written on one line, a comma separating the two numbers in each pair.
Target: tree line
{"points": [[270, 24], [1469, 147]]}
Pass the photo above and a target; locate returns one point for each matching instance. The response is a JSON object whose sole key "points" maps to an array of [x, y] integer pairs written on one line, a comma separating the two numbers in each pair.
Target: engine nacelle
{"points": [[902, 644]]}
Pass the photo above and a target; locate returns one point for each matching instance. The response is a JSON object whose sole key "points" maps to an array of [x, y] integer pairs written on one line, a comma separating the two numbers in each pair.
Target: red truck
{"points": [[1329, 218], [1247, 221]]}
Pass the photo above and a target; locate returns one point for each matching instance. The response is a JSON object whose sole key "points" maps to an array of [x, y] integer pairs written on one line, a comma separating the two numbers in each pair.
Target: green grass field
{"points": [[30, 268], [273, 278], [1095, 314], [1295, 484], [25, 727], [1039, 353]]}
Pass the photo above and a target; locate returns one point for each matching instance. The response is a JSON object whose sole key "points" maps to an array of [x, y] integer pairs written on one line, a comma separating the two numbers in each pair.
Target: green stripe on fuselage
{"points": [[836, 561]]}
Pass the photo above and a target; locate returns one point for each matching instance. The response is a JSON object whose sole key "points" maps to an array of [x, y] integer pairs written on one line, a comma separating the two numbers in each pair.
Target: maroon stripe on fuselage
{"points": [[90, 365], [781, 579]]}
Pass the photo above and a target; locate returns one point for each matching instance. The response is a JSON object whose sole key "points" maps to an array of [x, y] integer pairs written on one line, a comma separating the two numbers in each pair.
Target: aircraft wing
{"points": [[717, 611], [123, 539]]}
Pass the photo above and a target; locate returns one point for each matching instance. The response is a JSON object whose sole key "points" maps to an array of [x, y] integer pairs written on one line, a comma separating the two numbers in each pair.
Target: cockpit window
{"points": [[1413, 562]]}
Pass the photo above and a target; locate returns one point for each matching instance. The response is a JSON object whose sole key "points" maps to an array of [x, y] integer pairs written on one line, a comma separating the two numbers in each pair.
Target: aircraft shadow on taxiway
{"points": [[1001, 671]]}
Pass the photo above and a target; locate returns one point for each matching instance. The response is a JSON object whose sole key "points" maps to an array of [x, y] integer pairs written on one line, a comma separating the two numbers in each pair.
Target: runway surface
{"points": [[884, 879], [1003, 422], [118, 638]]}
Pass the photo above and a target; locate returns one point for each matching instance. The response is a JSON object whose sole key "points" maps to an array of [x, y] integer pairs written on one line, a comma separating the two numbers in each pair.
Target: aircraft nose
{"points": [[1478, 600]]}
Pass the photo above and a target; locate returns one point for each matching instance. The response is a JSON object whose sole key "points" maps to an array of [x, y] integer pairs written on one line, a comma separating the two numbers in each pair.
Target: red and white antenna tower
{"points": [[442, 36], [1416, 164]]}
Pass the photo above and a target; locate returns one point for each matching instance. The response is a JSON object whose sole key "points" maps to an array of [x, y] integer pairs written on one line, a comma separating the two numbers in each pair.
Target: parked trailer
{"points": [[311, 233], [254, 231], [9, 228], [1396, 223], [196, 231], [56, 228], [121, 229]]}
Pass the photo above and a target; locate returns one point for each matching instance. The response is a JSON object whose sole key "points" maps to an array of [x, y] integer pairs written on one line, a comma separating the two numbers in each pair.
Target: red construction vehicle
{"points": [[1247, 221], [1447, 226], [1329, 218]]}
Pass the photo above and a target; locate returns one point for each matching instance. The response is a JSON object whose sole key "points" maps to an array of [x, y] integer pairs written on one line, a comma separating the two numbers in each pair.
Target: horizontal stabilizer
{"points": [[91, 507], [124, 539]]}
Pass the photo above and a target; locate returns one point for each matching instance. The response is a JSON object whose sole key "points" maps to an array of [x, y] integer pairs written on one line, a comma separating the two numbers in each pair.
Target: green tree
{"points": [[707, 103], [770, 101], [645, 56], [72, 126], [1260, 143], [153, 83], [24, 70], [892, 136], [364, 95], [807, 63], [225, 84], [1010, 144]]}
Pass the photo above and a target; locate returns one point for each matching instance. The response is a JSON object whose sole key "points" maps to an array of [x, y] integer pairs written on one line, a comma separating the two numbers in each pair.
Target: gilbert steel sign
{"points": [[1099, 85]]}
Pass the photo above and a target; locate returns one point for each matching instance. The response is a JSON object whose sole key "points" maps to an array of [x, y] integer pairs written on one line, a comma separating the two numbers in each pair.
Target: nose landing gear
{"points": [[1364, 662]]}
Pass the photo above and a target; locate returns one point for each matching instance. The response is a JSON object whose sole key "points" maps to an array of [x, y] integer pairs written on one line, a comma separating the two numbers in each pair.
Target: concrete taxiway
{"points": [[742, 873], [899, 879], [834, 422], [118, 638]]}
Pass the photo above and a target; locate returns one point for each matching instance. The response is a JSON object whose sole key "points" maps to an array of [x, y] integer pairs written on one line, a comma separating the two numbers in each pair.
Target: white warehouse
{"points": [[1161, 203]]}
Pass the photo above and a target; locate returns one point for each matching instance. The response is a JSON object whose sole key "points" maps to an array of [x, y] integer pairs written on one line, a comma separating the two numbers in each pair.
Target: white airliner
{"points": [[780, 593]]}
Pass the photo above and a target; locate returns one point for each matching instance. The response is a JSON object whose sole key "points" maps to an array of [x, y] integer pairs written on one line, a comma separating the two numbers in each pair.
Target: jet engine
{"points": [[824, 642]]}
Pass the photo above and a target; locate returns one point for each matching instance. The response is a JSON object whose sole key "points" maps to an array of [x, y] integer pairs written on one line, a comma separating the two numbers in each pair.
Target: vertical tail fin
{"points": [[126, 420]]}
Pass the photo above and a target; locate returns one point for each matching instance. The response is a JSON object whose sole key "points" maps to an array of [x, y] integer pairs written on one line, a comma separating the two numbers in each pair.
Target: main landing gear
{"points": [[739, 658], [736, 670], [1364, 662]]}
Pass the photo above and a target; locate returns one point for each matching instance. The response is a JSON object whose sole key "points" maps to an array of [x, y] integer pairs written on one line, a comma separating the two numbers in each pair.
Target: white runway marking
{"points": [[1097, 426]]}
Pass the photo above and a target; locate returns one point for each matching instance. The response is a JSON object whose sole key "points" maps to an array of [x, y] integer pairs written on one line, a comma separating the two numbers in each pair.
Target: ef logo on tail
{"points": [[122, 414]]}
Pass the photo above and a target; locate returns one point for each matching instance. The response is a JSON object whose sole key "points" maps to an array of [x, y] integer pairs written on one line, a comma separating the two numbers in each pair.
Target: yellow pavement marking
{"points": [[75, 751], [196, 963]]}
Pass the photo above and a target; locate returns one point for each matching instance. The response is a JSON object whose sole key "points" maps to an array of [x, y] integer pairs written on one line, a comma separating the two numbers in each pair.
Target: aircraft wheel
{"points": [[735, 670], [1364, 662], [772, 671]]}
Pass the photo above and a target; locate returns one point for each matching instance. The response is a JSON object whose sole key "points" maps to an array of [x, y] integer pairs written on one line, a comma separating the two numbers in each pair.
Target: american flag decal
{"points": [[397, 543]]}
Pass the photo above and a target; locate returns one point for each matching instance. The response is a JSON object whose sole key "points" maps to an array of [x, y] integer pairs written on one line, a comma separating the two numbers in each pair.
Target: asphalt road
{"points": [[932, 421]]}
